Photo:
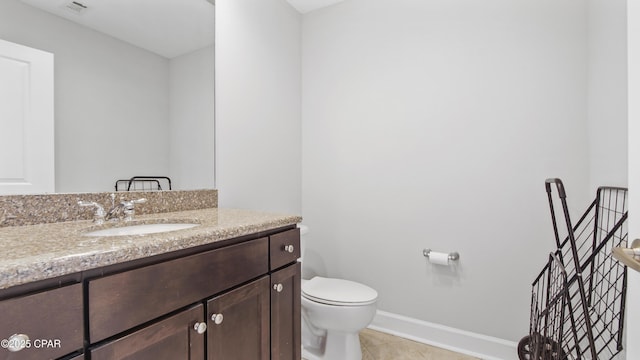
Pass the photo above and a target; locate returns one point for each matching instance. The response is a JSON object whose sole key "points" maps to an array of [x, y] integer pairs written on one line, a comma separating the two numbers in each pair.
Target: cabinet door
{"points": [[174, 338], [285, 313], [238, 323]]}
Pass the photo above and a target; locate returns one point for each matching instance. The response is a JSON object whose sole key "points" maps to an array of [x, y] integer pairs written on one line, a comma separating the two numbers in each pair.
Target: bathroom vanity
{"points": [[226, 289]]}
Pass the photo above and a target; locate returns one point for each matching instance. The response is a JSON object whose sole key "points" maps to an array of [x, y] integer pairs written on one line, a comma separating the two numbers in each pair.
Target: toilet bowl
{"points": [[333, 313]]}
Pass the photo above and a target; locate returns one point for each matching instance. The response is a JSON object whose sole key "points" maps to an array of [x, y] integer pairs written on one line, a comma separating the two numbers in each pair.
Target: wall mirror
{"points": [[133, 87]]}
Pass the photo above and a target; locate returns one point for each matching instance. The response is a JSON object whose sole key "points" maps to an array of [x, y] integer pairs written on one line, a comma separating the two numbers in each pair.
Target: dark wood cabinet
{"points": [[285, 313], [239, 300], [76, 357], [47, 324], [284, 248], [239, 323], [179, 337], [127, 299]]}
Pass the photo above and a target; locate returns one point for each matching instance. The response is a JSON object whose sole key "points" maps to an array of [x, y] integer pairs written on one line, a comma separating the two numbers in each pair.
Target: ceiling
{"points": [[166, 27], [305, 6]]}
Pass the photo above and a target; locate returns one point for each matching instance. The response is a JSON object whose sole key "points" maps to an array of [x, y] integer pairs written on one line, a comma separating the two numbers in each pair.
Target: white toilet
{"points": [[333, 313]]}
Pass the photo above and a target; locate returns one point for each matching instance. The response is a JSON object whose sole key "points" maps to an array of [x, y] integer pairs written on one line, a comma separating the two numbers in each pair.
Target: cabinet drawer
{"points": [[284, 248], [121, 301], [52, 320]]}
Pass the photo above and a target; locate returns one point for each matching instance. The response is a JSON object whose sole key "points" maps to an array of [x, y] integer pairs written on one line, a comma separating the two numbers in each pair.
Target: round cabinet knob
{"points": [[200, 327], [217, 319], [17, 342], [289, 248], [277, 287]]}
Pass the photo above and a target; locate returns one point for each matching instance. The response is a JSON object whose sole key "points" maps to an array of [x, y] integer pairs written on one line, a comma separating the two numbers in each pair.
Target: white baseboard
{"points": [[465, 342]]}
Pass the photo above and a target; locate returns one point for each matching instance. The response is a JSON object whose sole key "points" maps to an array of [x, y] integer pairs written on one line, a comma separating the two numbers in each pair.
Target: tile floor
{"points": [[380, 346]]}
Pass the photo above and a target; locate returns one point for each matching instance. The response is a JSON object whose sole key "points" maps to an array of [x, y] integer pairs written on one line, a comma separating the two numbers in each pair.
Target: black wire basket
{"points": [[144, 183], [578, 299]]}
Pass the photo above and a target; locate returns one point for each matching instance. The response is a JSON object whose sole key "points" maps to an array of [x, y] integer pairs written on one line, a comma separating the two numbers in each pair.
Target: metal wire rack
{"points": [[578, 299], [144, 183]]}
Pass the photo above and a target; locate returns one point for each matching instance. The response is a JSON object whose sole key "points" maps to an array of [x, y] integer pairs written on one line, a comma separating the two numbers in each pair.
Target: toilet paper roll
{"points": [[438, 258]]}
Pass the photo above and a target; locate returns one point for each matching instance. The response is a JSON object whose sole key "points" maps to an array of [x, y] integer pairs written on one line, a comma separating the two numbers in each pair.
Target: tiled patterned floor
{"points": [[381, 346]]}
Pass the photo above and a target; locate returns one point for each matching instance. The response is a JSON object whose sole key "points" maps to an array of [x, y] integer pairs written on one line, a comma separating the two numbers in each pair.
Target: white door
{"points": [[633, 294], [26, 120]]}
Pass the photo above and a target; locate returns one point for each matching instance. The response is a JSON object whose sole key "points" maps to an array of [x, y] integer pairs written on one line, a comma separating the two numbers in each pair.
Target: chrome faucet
{"points": [[125, 210], [99, 215], [5, 217]]}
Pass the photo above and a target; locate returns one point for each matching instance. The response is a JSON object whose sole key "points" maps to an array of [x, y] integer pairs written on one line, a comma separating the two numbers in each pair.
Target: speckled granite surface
{"points": [[42, 251], [18, 210]]}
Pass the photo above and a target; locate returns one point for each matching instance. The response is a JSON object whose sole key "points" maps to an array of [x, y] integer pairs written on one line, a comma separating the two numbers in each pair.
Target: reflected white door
{"points": [[26, 120]]}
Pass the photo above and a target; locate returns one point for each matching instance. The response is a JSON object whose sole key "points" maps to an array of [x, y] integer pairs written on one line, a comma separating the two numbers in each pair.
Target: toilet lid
{"points": [[338, 292]]}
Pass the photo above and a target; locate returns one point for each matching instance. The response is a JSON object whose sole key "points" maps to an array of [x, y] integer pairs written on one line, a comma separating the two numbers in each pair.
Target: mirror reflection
{"points": [[133, 87]]}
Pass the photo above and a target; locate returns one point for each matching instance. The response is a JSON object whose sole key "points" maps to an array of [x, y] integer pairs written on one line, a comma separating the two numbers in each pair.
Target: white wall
{"points": [[608, 107], [607, 92], [633, 297], [191, 120], [434, 124], [258, 94], [111, 100]]}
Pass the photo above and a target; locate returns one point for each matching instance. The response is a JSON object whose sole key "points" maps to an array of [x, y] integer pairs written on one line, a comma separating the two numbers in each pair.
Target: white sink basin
{"points": [[139, 229]]}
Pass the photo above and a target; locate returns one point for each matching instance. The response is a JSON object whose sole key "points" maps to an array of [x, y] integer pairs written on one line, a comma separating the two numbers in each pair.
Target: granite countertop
{"points": [[37, 252]]}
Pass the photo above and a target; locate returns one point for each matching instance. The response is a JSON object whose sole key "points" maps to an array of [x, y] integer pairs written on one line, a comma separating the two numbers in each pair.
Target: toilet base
{"points": [[338, 346], [331, 331]]}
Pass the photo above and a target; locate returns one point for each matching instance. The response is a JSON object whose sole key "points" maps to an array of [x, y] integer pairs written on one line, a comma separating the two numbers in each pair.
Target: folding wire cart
{"points": [[578, 299]]}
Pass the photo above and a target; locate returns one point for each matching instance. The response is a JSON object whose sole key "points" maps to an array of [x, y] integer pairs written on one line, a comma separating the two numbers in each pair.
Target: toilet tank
{"points": [[304, 229]]}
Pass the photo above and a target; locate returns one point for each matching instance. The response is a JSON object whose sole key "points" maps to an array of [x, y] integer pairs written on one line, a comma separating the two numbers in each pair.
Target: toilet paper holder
{"points": [[453, 256]]}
